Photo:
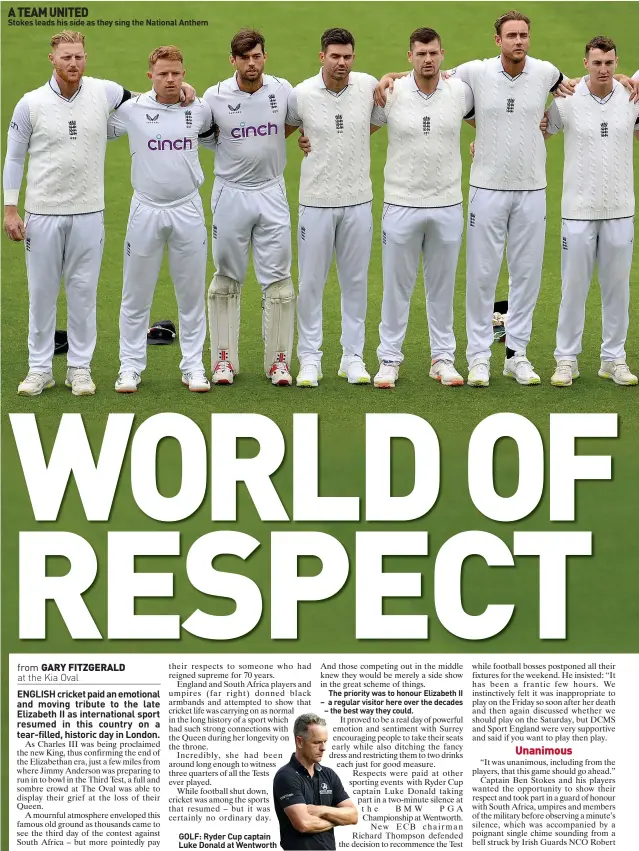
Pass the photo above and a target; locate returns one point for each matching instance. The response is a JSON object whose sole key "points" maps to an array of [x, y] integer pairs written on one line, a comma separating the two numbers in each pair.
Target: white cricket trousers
{"points": [[251, 218], [436, 233], [495, 216], [608, 243], [58, 247], [183, 230], [347, 231]]}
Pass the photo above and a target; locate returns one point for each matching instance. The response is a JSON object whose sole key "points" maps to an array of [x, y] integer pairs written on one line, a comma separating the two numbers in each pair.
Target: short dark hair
{"points": [[303, 722], [246, 40], [601, 42], [337, 36], [424, 35], [513, 15]]}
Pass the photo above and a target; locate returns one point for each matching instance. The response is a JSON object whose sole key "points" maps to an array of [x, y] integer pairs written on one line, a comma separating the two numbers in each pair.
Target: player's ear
{"points": [[149, 74], [497, 39], [585, 61], [232, 59], [265, 56], [321, 56], [51, 59]]}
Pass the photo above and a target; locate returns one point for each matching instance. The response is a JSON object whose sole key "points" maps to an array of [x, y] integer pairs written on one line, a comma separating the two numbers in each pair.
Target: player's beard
{"points": [[255, 80]]}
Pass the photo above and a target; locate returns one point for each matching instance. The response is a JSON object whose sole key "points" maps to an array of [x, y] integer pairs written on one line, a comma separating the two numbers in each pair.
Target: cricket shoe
{"points": [[479, 373], [565, 373], [35, 383], [353, 368], [309, 375], [127, 381], [521, 369], [80, 381], [619, 371], [279, 373], [223, 373], [444, 371], [387, 375], [196, 381]]}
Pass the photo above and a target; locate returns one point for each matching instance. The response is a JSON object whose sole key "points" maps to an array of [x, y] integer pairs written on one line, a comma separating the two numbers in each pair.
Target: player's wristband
{"points": [[11, 197]]}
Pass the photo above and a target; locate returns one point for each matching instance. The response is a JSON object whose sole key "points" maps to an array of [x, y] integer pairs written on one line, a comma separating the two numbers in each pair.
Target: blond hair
{"points": [[169, 51], [67, 37]]}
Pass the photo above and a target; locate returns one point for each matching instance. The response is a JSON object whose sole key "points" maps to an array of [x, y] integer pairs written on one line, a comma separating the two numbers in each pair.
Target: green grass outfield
{"points": [[602, 590]]}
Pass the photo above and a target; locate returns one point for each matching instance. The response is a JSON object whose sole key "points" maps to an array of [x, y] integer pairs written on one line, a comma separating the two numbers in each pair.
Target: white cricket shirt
{"points": [[251, 144], [337, 171], [163, 138], [510, 152], [423, 162], [598, 153], [66, 140]]}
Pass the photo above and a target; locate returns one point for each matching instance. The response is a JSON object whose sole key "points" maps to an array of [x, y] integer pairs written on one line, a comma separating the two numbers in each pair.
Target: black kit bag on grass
{"points": [[161, 333]]}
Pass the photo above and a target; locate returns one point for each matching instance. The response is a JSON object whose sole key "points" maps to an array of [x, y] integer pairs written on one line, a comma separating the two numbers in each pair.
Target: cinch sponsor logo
{"points": [[160, 144], [243, 132]]}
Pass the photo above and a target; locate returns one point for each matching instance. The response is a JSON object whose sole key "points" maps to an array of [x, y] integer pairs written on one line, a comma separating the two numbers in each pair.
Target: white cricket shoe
{"points": [[619, 371], [444, 371], [353, 368], [80, 381], [521, 369], [127, 381], [387, 375], [279, 373], [479, 373], [35, 383], [566, 371], [196, 381], [222, 373], [309, 375]]}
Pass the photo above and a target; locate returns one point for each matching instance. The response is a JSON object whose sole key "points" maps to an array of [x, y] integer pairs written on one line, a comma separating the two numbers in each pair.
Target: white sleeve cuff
{"points": [[11, 197]]}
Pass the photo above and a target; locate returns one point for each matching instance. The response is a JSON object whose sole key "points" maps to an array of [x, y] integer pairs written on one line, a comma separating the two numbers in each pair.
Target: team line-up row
{"points": [[63, 127]]}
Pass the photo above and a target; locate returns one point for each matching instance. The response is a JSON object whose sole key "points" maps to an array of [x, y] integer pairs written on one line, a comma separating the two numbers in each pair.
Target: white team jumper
{"points": [[66, 141], [597, 210], [335, 212], [507, 198], [422, 211], [166, 210], [250, 210]]}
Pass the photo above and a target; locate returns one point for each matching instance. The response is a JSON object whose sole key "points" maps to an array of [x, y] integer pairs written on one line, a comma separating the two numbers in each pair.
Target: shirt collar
{"points": [[235, 87], [153, 95], [524, 70], [322, 84], [56, 88], [297, 765], [415, 87], [583, 90]]}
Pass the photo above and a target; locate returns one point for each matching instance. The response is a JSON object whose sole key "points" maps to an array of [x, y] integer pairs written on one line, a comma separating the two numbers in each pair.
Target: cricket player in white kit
{"points": [[338, 115], [166, 210], [62, 126], [507, 195], [597, 210], [422, 207], [250, 210]]}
